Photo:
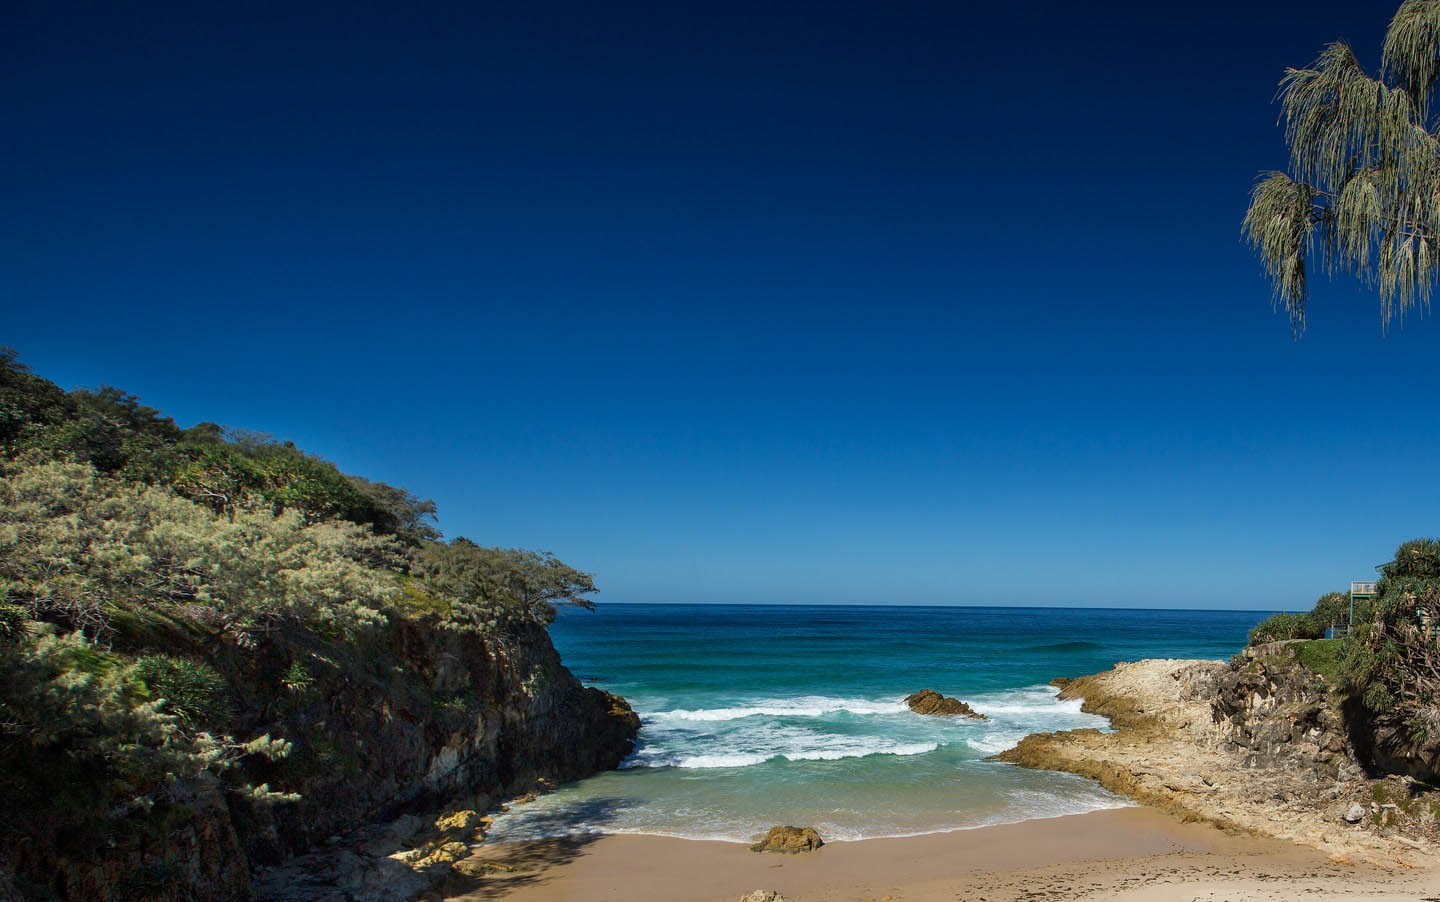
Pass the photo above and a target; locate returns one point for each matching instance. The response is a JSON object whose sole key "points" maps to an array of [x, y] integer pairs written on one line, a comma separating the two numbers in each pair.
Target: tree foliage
{"points": [[1331, 609], [165, 592], [508, 582], [1395, 660], [81, 546], [226, 470], [86, 751], [1363, 187]]}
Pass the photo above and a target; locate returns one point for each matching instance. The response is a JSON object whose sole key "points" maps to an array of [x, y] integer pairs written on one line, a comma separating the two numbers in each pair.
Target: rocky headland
{"points": [[1257, 745], [401, 793], [229, 669], [539, 727]]}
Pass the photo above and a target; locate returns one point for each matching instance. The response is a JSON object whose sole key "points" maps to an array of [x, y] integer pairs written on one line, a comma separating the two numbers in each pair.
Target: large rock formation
{"points": [[516, 719], [1256, 745], [1281, 716], [928, 701], [426, 718]]}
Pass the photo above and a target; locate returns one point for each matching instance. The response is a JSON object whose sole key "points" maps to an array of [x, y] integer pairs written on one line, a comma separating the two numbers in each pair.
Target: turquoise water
{"points": [[756, 715]]}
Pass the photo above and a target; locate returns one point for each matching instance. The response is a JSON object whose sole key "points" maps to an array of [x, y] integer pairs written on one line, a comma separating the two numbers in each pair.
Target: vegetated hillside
{"points": [[217, 650], [1388, 670]]}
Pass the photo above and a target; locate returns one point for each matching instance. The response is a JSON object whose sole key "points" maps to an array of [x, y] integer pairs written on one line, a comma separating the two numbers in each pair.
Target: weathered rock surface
{"points": [[928, 701], [785, 838], [534, 726], [1255, 745], [525, 720], [763, 895], [430, 716], [1280, 715]]}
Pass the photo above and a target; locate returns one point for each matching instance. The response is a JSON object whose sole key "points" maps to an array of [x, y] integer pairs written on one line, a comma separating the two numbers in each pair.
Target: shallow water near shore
{"points": [[757, 715]]}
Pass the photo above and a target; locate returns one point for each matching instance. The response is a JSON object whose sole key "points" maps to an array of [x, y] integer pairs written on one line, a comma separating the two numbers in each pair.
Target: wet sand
{"points": [[1130, 854]]}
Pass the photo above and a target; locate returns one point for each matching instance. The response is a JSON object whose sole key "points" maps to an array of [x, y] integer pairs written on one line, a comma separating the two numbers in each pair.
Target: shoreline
{"points": [[1101, 855], [1200, 830], [1277, 768]]}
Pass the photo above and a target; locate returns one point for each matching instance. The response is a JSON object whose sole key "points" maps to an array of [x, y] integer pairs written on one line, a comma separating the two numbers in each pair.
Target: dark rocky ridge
{"points": [[371, 743], [527, 721]]}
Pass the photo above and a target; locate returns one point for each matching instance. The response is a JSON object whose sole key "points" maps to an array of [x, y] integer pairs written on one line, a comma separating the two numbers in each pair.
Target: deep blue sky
{"points": [[829, 302]]}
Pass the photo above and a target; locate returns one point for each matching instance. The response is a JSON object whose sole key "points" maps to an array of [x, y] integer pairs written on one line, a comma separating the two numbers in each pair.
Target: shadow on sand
{"points": [[499, 868]]}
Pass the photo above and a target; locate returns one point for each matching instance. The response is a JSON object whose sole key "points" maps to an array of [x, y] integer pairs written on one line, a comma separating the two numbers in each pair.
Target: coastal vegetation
{"points": [[1330, 610], [1388, 667], [211, 638], [1363, 187]]}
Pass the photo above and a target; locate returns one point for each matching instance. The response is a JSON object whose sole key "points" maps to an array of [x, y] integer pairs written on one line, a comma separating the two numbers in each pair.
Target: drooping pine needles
{"points": [[1364, 182]]}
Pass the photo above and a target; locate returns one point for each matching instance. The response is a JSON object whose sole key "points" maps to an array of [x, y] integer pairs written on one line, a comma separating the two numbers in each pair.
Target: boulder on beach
{"points": [[928, 701], [785, 838], [763, 895]]}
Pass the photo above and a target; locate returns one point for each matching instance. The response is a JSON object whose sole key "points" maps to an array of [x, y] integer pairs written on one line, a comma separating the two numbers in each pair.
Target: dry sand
{"points": [[1131, 854]]}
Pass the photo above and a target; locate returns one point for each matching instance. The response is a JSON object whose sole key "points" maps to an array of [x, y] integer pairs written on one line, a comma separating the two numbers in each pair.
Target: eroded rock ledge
{"points": [[1256, 745]]}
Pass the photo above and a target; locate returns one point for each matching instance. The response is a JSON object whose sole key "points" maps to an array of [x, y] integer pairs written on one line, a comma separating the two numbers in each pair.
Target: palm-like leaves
{"points": [[1364, 181]]}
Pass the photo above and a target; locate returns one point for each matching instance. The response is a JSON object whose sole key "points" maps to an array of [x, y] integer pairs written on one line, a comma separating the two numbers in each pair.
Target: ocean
{"points": [[755, 715]]}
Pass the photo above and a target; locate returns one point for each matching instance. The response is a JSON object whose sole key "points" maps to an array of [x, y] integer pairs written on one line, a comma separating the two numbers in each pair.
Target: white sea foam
{"points": [[1034, 700], [928, 778], [805, 706], [826, 728], [1016, 713], [832, 752]]}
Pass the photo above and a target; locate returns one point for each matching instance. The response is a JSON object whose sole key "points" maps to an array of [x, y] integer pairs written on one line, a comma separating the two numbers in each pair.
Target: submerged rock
{"points": [[928, 701], [785, 838]]}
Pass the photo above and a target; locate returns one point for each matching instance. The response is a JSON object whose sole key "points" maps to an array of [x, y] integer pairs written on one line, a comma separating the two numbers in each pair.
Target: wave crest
{"points": [[805, 706], [748, 759]]}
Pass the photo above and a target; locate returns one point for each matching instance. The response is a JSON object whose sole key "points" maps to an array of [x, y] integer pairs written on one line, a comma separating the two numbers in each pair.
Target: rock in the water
{"points": [[1356, 814], [763, 895], [789, 839], [928, 701]]}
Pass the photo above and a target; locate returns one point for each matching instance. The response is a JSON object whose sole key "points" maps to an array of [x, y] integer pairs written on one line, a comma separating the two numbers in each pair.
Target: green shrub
{"points": [[1284, 626], [80, 545], [14, 623], [1331, 609], [494, 584], [1417, 559], [1391, 659], [191, 690], [1325, 657], [297, 679]]}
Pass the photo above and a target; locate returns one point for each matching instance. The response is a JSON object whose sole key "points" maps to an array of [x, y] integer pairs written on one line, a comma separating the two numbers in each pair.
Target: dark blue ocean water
{"points": [[758, 714]]}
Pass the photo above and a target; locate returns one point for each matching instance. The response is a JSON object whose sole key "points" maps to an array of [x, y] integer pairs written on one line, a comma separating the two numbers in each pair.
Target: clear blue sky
{"points": [[850, 302]]}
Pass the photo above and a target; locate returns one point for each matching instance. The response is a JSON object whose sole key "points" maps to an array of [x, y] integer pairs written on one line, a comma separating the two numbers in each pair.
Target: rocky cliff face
{"points": [[424, 718], [1278, 714], [452, 715]]}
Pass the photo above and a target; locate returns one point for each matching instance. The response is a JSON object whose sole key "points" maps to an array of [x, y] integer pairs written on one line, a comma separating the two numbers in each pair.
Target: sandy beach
{"points": [[1131, 853], [1224, 827]]}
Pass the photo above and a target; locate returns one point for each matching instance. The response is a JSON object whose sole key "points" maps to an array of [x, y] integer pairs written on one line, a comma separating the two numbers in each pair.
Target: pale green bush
{"points": [[76, 546]]}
